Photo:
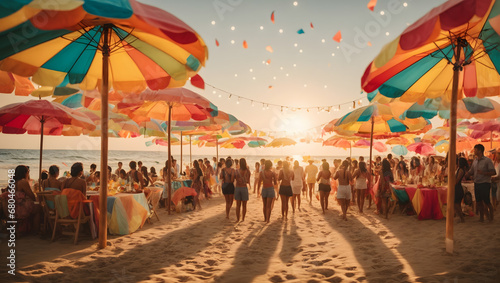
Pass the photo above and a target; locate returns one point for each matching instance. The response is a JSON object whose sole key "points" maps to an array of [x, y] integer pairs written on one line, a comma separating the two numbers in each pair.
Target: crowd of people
{"points": [[350, 181]]}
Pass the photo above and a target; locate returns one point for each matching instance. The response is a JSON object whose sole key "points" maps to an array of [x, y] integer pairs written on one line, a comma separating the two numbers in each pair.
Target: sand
{"points": [[202, 246]]}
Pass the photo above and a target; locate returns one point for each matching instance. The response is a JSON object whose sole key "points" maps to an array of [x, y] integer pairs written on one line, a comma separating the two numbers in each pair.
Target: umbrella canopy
{"points": [[398, 141], [10, 82], [168, 104], [41, 117], [451, 51], [421, 148], [279, 142], [400, 150], [119, 44], [240, 142], [378, 146]]}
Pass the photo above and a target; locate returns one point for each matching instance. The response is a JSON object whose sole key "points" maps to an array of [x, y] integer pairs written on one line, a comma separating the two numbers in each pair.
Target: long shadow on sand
{"points": [[377, 260], [171, 249], [291, 241], [252, 257]]}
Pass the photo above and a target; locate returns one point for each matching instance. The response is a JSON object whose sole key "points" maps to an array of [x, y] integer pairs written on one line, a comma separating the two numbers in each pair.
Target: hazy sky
{"points": [[305, 70]]}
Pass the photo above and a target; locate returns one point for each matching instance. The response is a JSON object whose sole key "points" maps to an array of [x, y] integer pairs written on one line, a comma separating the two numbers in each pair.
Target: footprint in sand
{"points": [[276, 278], [382, 233], [327, 272]]}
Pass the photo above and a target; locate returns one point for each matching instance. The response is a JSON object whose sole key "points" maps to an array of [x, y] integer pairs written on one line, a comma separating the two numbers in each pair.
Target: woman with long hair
{"points": [[297, 183], [285, 177], [361, 176], [197, 185], [227, 177], [268, 179], [324, 185], [26, 208], [402, 171], [52, 182], [241, 190], [384, 187], [344, 191]]}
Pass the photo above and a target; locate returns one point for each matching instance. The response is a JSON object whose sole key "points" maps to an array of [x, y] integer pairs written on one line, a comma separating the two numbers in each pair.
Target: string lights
{"points": [[265, 106]]}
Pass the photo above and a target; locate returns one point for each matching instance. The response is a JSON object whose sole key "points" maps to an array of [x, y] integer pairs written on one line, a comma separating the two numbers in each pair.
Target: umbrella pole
{"points": [[181, 154], [217, 148], [42, 121], [371, 147], [103, 191], [450, 211], [350, 150], [491, 140], [169, 165], [190, 160]]}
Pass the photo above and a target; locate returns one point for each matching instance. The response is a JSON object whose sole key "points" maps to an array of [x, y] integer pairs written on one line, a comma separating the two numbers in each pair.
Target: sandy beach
{"points": [[202, 246]]}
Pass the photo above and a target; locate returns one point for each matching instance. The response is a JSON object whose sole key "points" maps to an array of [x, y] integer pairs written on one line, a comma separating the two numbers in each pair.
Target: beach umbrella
{"points": [[163, 141], [400, 150], [378, 146], [398, 141], [120, 44], [10, 82], [377, 119], [257, 143], [451, 51], [480, 129], [40, 117], [421, 148], [168, 104], [280, 142]]}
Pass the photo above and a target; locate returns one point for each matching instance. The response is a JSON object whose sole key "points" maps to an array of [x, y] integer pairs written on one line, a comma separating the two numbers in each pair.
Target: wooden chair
{"points": [[153, 202], [64, 218], [401, 199], [47, 200]]}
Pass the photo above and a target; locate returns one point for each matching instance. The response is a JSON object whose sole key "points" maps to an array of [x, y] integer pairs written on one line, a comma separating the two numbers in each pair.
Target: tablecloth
{"points": [[126, 212], [175, 186], [427, 202]]}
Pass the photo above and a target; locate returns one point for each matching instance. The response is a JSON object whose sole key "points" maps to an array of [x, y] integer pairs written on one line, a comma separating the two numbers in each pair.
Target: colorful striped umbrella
{"points": [[119, 44], [40, 117], [451, 51], [421, 148], [279, 142]]}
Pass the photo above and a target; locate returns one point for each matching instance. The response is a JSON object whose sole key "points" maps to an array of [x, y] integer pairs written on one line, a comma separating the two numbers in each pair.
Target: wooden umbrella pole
{"points": [[180, 166], [103, 191], [491, 140], [450, 211], [190, 160], [217, 148], [371, 147], [42, 121], [350, 150], [169, 163]]}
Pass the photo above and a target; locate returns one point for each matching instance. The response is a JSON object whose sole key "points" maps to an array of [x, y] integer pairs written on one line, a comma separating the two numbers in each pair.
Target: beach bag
{"points": [[468, 198]]}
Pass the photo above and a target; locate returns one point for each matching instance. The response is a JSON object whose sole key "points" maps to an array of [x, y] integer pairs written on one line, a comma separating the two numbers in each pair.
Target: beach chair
{"points": [[70, 212], [402, 200], [153, 202], [47, 200]]}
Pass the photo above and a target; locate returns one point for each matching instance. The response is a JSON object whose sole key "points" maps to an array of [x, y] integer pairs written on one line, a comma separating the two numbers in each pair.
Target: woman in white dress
{"points": [[297, 184]]}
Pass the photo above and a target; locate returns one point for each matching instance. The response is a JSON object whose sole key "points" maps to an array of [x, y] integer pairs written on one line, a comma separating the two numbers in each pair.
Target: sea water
{"points": [[10, 158]]}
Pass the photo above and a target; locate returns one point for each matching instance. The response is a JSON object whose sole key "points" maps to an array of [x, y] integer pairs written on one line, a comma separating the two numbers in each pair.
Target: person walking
{"points": [[311, 171], [482, 169]]}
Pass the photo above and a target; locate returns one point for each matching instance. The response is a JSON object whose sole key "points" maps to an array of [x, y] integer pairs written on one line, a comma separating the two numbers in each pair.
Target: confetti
{"points": [[371, 4], [338, 36], [272, 17], [270, 87], [198, 81], [269, 48], [300, 31], [369, 43], [216, 42], [268, 61], [312, 27], [245, 44]]}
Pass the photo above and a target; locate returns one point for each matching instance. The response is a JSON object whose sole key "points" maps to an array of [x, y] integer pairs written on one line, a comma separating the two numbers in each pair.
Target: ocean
{"points": [[10, 158]]}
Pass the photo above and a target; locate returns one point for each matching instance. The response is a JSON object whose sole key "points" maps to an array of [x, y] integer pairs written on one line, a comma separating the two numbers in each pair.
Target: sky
{"points": [[306, 70]]}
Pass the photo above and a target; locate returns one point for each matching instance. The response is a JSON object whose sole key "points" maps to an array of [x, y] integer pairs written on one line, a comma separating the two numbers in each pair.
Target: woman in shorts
{"points": [[241, 191], [324, 185], [227, 177], [285, 177], [344, 190], [268, 179], [297, 183]]}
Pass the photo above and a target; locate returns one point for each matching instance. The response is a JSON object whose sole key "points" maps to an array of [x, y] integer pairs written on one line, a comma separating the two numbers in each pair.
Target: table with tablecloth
{"points": [[126, 212], [175, 186], [428, 203]]}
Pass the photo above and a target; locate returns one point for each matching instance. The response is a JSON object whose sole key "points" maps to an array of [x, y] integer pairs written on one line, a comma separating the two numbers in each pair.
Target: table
{"points": [[126, 212], [175, 186], [428, 203]]}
